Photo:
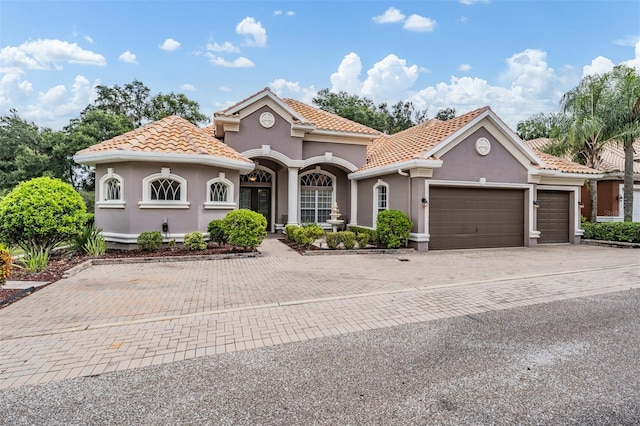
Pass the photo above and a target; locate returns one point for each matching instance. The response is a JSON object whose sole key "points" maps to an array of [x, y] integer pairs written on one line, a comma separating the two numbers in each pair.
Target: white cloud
{"points": [[471, 2], [419, 24], [629, 40], [188, 87], [88, 39], [464, 67], [128, 57], [463, 19], [390, 16], [288, 89], [240, 62], [599, 65], [635, 62], [170, 45], [224, 89], [252, 29], [290, 13], [389, 77], [44, 54], [226, 47], [277, 13], [347, 78], [13, 90]]}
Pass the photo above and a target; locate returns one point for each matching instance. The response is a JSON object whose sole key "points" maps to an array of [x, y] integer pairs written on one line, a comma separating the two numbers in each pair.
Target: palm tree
{"points": [[585, 128], [624, 114]]}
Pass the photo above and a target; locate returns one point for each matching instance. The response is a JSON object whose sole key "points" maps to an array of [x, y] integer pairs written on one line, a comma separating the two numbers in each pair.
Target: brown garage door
{"points": [[475, 218], [553, 217]]}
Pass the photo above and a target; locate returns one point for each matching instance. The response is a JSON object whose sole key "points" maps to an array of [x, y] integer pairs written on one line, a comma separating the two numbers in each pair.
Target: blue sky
{"points": [[518, 57]]}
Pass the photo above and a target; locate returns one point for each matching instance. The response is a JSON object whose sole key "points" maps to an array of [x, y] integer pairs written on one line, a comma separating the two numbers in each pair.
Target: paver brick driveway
{"points": [[119, 317]]}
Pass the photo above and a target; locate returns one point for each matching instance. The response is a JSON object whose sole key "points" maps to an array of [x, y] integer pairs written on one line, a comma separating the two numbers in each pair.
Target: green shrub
{"points": [[373, 235], [87, 233], [302, 237], [216, 232], [333, 239], [35, 259], [613, 231], [314, 231], [288, 230], [245, 228], [393, 227], [194, 241], [363, 239], [6, 263], [150, 241], [348, 239], [40, 213], [96, 246]]}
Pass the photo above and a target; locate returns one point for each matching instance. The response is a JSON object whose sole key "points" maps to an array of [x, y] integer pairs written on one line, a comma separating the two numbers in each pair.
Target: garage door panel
{"points": [[553, 217], [475, 218]]}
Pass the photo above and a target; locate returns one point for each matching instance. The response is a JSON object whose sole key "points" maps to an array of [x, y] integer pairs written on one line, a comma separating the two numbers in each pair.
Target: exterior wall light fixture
{"points": [[580, 204], [535, 204], [425, 202]]}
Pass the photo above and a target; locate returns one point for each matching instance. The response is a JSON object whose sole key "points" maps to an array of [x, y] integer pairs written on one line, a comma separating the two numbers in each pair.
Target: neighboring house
{"points": [[465, 183], [610, 186]]}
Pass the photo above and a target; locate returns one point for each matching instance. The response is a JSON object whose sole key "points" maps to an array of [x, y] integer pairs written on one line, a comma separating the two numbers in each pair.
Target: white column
{"points": [[354, 203], [293, 196]]}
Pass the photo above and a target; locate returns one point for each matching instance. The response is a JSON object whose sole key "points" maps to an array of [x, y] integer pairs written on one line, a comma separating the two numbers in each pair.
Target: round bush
{"points": [[149, 241], [245, 228], [216, 232], [41, 212], [302, 237], [194, 241], [393, 228]]}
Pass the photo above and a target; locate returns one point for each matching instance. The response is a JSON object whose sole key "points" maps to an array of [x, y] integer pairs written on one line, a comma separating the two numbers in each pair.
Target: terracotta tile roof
{"points": [[327, 121], [416, 141], [171, 135], [612, 160], [556, 163]]}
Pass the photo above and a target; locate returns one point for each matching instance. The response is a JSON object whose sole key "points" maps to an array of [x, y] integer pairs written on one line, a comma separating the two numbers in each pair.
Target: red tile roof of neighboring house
{"points": [[563, 165], [612, 157], [415, 141], [171, 135]]}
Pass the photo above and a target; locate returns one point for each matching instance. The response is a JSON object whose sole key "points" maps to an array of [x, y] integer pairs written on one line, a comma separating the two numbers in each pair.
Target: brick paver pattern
{"points": [[118, 317]]}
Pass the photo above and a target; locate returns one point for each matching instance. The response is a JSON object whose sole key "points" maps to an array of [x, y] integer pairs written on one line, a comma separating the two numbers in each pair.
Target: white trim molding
{"points": [[376, 208], [226, 204]]}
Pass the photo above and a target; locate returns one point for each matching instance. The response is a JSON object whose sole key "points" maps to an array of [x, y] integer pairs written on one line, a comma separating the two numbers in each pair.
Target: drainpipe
{"points": [[405, 174]]}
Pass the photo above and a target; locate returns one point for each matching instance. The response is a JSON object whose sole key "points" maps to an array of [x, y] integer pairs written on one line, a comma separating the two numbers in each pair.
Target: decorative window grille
{"points": [[256, 176], [218, 192], [382, 198], [316, 197], [165, 189], [112, 189]]}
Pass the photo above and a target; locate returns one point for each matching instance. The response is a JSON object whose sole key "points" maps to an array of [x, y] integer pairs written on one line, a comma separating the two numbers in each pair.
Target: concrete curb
{"points": [[618, 244], [356, 251], [132, 260]]}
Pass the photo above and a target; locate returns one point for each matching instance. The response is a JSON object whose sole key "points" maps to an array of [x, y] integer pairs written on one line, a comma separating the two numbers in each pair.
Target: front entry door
{"points": [[258, 200]]}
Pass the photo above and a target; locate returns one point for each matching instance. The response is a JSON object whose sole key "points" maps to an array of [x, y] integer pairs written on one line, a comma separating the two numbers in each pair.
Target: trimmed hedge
{"points": [[289, 230], [194, 241], [393, 227], [347, 238], [149, 241], [216, 231], [245, 228], [373, 235], [612, 231]]}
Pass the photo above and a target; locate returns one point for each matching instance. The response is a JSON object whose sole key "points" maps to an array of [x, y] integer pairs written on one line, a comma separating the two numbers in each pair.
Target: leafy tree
{"points": [[404, 116], [134, 100], [586, 130], [40, 213], [446, 114], [162, 106], [624, 115], [540, 125]]}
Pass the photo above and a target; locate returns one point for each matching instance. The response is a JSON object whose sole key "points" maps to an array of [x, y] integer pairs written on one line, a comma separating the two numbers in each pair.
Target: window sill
{"points": [[163, 204], [220, 206], [111, 204]]}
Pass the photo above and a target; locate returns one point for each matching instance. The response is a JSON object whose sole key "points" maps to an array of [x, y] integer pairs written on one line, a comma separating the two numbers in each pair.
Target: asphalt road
{"points": [[570, 362]]}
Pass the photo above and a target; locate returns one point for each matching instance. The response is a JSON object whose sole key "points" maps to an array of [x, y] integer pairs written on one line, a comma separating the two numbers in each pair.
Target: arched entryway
{"points": [[257, 193]]}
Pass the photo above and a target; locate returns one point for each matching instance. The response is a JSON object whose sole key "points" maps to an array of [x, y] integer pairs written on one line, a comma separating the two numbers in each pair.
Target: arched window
{"points": [[317, 195], [219, 193], [380, 198], [111, 191], [164, 190]]}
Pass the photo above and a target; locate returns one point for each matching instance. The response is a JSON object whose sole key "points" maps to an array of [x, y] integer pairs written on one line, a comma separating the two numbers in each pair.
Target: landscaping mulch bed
{"points": [[60, 262]]}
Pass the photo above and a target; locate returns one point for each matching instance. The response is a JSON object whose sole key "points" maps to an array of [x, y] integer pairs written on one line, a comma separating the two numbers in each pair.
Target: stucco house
{"points": [[610, 185], [469, 182]]}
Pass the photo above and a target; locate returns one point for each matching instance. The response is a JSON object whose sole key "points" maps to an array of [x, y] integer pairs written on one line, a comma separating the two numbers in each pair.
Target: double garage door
{"points": [[475, 218], [462, 218]]}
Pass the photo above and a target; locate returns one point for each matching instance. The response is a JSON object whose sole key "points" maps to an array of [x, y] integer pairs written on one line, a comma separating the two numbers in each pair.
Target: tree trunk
{"points": [[627, 191], [593, 196]]}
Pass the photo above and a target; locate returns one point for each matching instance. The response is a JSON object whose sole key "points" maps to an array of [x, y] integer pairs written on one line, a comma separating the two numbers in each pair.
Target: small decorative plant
{"points": [[150, 241], [6, 263], [217, 232], [194, 241]]}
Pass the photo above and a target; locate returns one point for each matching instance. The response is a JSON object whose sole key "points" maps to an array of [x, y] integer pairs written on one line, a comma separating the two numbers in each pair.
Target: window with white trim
{"points": [[317, 195], [380, 198], [111, 191], [219, 193], [164, 190]]}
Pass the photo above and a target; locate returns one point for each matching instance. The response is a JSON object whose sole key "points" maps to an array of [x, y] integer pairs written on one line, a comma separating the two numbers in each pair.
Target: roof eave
{"points": [[392, 168], [92, 159]]}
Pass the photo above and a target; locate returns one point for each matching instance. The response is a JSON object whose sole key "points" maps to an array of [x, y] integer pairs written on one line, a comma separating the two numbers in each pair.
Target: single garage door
{"points": [[475, 218], [553, 217]]}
